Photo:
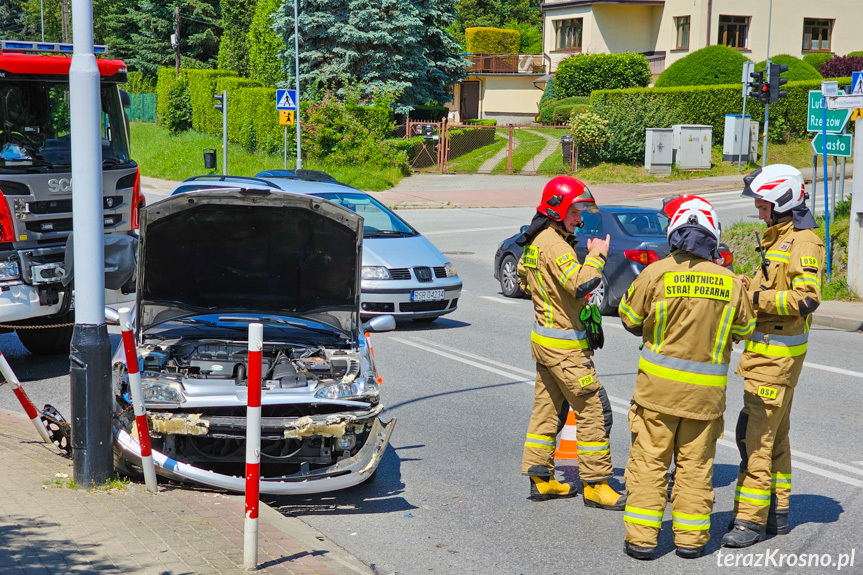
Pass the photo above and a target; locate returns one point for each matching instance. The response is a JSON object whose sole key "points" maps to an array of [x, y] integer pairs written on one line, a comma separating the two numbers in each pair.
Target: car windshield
{"points": [[35, 125], [642, 224], [378, 221]]}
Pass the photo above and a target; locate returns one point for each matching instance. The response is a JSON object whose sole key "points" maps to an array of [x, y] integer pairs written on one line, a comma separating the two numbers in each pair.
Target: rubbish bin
{"points": [[210, 158], [566, 149]]}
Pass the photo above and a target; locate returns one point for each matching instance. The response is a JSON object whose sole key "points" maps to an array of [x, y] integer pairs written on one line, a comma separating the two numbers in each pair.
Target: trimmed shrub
{"points": [[482, 40], [378, 119], [428, 113], [841, 66], [546, 113], [711, 65], [202, 88], [265, 45], [581, 74], [854, 54], [178, 111], [563, 114], [481, 122], [590, 134], [629, 113], [137, 83], [584, 100], [815, 59], [165, 78], [798, 70], [548, 94]]}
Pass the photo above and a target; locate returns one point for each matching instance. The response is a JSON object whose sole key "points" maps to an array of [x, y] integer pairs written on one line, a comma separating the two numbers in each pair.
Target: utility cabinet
{"points": [[737, 138], [658, 150], [692, 145]]}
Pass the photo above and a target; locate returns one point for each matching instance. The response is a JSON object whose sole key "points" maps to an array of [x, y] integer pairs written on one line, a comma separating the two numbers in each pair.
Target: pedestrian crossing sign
{"points": [[286, 99], [857, 83]]}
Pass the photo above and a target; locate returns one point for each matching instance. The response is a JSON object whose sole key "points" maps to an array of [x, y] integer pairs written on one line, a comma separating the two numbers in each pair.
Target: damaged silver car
{"points": [[209, 264]]}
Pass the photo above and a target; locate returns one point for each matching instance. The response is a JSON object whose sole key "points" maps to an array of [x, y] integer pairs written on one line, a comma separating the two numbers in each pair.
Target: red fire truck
{"points": [[36, 185]]}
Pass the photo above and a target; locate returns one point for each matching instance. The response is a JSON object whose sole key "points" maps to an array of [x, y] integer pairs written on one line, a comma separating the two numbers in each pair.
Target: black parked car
{"points": [[637, 239]]}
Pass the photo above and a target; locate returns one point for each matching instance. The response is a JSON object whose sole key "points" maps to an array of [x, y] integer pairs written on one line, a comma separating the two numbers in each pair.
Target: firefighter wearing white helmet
{"points": [[784, 293], [561, 346], [688, 310]]}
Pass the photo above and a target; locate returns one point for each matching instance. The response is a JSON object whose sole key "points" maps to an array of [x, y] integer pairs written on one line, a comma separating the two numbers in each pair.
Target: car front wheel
{"points": [[509, 277], [600, 298]]}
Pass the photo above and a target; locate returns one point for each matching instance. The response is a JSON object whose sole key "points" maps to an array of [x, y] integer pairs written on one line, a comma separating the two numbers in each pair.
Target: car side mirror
{"points": [[380, 324]]}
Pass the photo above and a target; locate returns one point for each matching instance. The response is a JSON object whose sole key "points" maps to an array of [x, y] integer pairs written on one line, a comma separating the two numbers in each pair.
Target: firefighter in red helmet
{"points": [[559, 285]]}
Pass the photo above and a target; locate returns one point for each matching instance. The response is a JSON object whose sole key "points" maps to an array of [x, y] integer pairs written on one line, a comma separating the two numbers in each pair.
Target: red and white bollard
{"points": [[253, 447], [134, 372], [25, 402]]}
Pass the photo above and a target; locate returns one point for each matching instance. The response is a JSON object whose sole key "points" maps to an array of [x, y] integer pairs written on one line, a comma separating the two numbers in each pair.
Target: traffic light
{"points": [[776, 81], [220, 101], [756, 85]]}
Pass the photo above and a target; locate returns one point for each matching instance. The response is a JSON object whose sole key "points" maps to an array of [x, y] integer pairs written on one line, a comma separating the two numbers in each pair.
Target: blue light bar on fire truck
{"points": [[53, 47]]}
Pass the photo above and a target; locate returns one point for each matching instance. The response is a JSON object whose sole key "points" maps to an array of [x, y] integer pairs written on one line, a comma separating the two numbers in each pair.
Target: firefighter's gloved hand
{"points": [[592, 320]]}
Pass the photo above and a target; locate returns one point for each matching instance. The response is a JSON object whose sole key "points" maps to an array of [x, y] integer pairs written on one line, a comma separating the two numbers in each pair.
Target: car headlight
{"points": [[376, 273], [9, 270], [360, 388], [159, 391], [450, 270]]}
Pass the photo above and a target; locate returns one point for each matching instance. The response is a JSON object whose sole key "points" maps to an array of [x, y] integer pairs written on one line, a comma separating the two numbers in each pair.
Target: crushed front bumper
{"points": [[341, 475]]}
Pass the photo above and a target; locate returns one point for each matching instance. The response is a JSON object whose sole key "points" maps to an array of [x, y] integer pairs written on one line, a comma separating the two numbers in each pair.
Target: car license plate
{"points": [[427, 295]]}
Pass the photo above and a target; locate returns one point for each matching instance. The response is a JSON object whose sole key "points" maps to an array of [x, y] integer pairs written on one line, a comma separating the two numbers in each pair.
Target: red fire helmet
{"points": [[560, 193]]}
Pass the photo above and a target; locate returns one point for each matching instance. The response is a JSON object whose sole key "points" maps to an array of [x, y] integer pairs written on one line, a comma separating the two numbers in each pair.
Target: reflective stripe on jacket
{"points": [[550, 271], [689, 311], [786, 299]]}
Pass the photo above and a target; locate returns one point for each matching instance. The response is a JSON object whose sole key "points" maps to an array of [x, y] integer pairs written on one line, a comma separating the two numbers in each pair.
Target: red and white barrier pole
{"points": [[147, 463], [25, 402], [253, 447]]}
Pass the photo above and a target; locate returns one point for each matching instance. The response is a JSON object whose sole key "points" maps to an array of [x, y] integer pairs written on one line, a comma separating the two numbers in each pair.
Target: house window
{"points": [[568, 34], [734, 31], [817, 35], [682, 25]]}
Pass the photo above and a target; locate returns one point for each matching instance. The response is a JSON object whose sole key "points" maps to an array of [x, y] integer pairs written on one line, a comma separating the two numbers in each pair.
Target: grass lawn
{"points": [[177, 157], [528, 145], [470, 162]]}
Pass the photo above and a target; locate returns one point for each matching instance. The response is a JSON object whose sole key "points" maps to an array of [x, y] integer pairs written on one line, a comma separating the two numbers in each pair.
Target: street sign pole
{"points": [[297, 84], [826, 198], [90, 353], [855, 233], [286, 147]]}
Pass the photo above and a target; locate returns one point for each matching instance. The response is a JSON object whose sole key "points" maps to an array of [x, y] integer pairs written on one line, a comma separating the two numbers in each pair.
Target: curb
{"points": [[837, 322]]}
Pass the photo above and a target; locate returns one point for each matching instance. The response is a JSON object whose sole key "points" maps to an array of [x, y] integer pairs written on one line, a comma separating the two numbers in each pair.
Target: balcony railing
{"points": [[505, 63], [656, 63]]}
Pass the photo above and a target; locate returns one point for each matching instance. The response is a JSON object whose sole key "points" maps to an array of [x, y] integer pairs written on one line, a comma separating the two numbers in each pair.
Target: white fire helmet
{"points": [[780, 184], [693, 212]]}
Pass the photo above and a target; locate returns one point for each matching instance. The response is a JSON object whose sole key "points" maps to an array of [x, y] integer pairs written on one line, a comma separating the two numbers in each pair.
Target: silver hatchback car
{"points": [[403, 274]]}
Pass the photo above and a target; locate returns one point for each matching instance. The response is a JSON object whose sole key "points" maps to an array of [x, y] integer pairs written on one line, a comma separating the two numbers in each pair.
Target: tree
{"points": [[388, 46], [236, 19], [264, 45], [496, 14], [11, 20]]}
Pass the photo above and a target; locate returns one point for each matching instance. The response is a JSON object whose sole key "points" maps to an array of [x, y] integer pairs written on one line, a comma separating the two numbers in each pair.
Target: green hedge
{"points": [[202, 87], [562, 114], [798, 70], [630, 111], [581, 74], [264, 45], [482, 40], [710, 65], [378, 119], [854, 54], [815, 59], [476, 122], [137, 83], [164, 78], [428, 113], [546, 112]]}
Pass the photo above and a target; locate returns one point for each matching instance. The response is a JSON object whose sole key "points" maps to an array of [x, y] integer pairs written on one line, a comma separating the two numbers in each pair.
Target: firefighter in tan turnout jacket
{"points": [[688, 310], [784, 293], [559, 286]]}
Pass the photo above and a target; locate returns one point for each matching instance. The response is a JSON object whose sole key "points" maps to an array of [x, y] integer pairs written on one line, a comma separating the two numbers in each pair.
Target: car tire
{"points": [[49, 340], [600, 297], [424, 319], [508, 275]]}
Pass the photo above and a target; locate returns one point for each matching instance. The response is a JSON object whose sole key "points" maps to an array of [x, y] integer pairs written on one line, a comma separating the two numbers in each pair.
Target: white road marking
{"points": [[513, 227], [498, 299], [515, 373], [857, 463]]}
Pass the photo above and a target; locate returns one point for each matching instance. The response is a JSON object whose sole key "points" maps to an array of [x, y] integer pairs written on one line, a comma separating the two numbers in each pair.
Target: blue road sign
{"points": [[286, 99], [857, 83]]}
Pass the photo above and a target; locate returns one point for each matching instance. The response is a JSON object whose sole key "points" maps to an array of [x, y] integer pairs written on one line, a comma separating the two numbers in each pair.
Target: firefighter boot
{"points": [[690, 552], [743, 534], [777, 519], [600, 494], [638, 552], [543, 485]]}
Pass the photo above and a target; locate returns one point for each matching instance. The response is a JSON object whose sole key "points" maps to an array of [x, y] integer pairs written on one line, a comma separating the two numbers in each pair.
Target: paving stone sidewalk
{"points": [[47, 527]]}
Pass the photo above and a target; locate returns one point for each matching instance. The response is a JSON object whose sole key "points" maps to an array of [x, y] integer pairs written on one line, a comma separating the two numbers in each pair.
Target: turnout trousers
{"points": [[578, 384], [656, 438], [765, 450]]}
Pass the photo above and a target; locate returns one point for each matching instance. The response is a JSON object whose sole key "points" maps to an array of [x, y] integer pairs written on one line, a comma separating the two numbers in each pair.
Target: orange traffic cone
{"points": [[567, 447]]}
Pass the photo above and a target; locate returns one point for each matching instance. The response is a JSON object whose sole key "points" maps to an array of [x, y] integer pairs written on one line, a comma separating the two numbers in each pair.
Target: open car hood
{"points": [[249, 251]]}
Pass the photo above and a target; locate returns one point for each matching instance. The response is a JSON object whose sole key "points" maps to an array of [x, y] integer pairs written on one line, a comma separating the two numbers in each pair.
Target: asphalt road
{"points": [[449, 497]]}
